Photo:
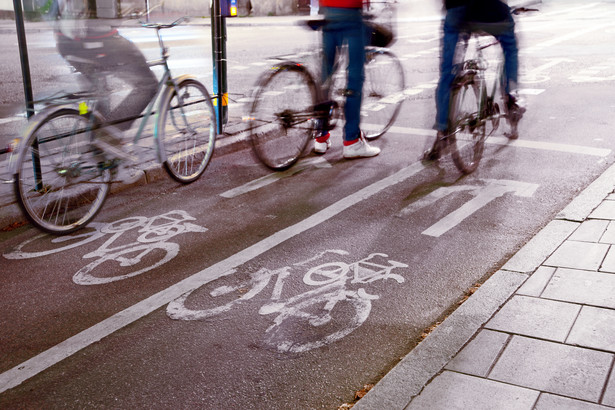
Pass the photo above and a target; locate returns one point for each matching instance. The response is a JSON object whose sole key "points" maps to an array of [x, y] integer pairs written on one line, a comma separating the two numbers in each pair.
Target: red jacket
{"points": [[347, 4]]}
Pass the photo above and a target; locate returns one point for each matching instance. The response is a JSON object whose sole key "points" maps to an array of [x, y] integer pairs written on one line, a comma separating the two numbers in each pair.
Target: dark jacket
{"points": [[484, 11]]}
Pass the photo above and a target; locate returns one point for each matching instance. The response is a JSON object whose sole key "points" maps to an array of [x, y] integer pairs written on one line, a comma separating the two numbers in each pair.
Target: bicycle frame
{"points": [[477, 68], [86, 103]]}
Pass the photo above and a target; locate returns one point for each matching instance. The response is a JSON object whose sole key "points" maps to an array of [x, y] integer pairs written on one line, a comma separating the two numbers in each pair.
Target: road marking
{"points": [[533, 76], [483, 195], [550, 146], [520, 143], [72, 345], [318, 162], [10, 119], [564, 38]]}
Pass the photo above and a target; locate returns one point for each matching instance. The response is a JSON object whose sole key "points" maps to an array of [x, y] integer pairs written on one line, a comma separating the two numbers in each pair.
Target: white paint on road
{"points": [[317, 162], [74, 344], [483, 195]]}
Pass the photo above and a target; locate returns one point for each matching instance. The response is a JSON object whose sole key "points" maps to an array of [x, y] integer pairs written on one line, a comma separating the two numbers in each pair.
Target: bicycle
{"points": [[288, 105], [63, 167], [305, 321], [474, 113], [133, 246]]}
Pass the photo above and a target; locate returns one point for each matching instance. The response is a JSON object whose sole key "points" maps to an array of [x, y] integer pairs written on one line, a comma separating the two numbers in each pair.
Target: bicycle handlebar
{"points": [[161, 26]]}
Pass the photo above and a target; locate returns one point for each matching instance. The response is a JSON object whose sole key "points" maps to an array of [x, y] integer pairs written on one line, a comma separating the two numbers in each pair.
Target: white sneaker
{"points": [[360, 149], [322, 147]]}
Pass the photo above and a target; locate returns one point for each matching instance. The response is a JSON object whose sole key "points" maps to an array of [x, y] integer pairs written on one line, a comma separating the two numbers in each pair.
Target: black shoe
{"points": [[435, 153]]}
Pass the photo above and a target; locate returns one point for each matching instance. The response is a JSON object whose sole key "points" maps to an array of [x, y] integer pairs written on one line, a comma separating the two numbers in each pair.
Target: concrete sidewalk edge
{"points": [[408, 378]]}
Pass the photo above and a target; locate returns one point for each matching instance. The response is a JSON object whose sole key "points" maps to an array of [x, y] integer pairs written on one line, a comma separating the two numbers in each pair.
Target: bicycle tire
{"points": [[186, 130], [282, 118], [296, 329], [466, 125], [383, 92], [73, 182], [85, 277]]}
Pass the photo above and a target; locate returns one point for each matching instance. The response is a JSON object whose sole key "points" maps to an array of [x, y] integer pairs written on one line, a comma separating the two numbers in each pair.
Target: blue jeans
{"points": [[345, 26], [454, 24]]}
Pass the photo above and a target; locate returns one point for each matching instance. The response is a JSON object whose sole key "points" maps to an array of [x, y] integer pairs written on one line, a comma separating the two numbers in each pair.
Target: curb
{"points": [[408, 378], [226, 144]]}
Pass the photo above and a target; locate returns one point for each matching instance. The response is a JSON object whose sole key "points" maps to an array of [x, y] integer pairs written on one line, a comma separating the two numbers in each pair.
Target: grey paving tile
{"points": [[480, 354], [533, 254], [537, 281], [608, 265], [609, 234], [609, 394], [590, 231], [553, 368], [541, 318], [595, 327], [578, 255], [577, 286], [548, 401], [606, 210], [452, 391]]}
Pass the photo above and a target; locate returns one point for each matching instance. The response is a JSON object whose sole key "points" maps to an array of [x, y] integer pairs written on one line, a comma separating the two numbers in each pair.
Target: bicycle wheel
{"points": [[466, 127], [282, 119], [383, 92], [60, 180], [316, 319], [186, 130]]}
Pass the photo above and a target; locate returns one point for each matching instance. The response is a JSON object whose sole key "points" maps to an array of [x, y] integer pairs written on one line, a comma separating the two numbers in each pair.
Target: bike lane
{"points": [[174, 352]]}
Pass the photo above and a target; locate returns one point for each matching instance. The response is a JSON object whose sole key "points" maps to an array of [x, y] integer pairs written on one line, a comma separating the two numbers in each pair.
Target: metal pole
{"points": [[218, 36], [27, 84], [23, 56]]}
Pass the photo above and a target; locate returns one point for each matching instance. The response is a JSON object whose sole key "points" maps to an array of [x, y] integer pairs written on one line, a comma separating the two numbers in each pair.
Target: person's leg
{"points": [[128, 63], [331, 41], [451, 30], [355, 38], [508, 42]]}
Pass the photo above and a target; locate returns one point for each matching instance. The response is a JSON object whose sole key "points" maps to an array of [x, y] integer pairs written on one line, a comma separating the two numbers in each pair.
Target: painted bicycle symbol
{"points": [[306, 321], [134, 246]]}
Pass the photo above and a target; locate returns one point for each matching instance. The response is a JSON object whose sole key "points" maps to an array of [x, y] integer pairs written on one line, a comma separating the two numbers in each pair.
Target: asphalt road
{"points": [[237, 311]]}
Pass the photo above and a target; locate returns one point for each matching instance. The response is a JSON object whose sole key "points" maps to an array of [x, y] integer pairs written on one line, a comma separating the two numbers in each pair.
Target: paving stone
{"points": [[609, 234], [548, 401], [553, 368], [453, 391], [595, 327], [480, 354], [541, 318], [537, 281], [533, 254], [590, 231], [578, 255], [608, 265], [609, 394], [577, 286], [606, 210]]}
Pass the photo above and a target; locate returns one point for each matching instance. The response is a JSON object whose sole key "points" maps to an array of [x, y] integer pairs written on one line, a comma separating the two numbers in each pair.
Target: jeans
{"points": [[454, 24], [345, 26]]}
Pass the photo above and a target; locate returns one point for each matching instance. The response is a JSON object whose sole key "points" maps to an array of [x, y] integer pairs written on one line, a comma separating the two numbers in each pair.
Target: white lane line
{"points": [[564, 38], [318, 162], [550, 146], [72, 345], [520, 143], [11, 119]]}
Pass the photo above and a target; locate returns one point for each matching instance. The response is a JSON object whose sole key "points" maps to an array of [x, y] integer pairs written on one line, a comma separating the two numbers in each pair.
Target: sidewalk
{"points": [[538, 334]]}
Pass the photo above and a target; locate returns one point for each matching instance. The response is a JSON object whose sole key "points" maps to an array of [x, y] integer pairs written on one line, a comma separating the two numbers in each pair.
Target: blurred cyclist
{"points": [[490, 16], [344, 25], [95, 49]]}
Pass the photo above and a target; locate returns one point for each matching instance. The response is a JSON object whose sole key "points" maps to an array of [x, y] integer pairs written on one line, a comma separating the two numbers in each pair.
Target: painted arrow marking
{"points": [[483, 195]]}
